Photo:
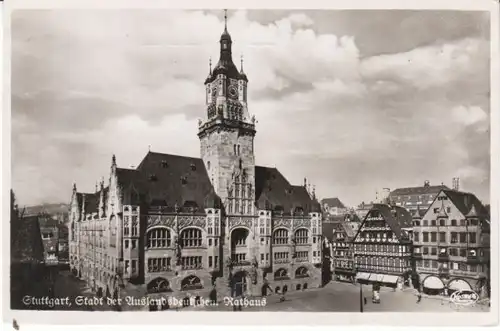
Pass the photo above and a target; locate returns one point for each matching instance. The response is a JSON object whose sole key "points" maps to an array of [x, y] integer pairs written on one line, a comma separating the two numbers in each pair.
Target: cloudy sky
{"points": [[353, 100]]}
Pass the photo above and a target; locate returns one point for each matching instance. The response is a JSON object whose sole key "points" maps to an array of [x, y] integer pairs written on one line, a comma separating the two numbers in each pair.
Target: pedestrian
{"points": [[376, 293], [282, 296], [419, 296]]}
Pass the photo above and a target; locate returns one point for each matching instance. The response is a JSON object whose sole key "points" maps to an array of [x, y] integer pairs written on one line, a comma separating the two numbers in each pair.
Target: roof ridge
{"points": [[176, 155]]}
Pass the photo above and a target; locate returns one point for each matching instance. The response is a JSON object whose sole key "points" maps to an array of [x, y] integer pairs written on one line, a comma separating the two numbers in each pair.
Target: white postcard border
{"points": [[257, 318]]}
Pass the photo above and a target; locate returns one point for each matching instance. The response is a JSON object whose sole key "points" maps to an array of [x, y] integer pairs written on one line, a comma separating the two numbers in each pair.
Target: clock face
{"points": [[233, 92]]}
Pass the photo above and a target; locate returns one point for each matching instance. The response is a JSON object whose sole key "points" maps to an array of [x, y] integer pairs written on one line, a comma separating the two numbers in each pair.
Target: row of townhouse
{"points": [[441, 249]]}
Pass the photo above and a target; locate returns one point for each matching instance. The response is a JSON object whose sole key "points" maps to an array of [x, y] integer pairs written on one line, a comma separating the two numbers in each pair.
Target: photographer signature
{"points": [[464, 297]]}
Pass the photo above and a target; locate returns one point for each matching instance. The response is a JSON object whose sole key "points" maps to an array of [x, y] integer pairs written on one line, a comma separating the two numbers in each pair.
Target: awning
{"points": [[390, 279], [433, 283], [376, 278], [458, 285], [362, 275]]}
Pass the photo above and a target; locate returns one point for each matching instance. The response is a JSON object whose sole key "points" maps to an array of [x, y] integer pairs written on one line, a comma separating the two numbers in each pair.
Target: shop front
{"points": [[376, 278]]}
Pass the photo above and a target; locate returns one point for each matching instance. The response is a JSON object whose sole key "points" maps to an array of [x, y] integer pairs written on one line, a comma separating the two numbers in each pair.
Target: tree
{"points": [[14, 211]]}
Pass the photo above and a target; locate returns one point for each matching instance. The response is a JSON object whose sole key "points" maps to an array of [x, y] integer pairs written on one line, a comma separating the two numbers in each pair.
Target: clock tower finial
{"points": [[225, 20]]}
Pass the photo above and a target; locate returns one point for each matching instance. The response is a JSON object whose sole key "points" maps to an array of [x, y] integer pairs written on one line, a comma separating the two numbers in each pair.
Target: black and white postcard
{"points": [[254, 163]]}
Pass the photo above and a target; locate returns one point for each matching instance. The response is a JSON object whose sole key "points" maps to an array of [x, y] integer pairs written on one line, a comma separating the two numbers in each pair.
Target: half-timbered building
{"points": [[382, 248]]}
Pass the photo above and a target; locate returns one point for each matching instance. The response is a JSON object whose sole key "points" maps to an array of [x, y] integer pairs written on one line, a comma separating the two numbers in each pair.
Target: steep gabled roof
{"points": [[418, 190], [169, 180], [472, 212], [272, 190], [396, 217], [464, 201], [352, 217], [176, 181], [332, 202], [92, 203], [350, 232], [418, 213]]}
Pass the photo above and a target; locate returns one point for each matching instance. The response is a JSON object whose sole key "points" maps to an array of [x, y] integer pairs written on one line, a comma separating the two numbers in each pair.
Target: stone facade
{"points": [[179, 227], [452, 245]]}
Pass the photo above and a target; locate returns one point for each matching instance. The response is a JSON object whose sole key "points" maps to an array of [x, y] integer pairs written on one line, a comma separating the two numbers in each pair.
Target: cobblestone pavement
{"points": [[343, 297], [67, 285]]}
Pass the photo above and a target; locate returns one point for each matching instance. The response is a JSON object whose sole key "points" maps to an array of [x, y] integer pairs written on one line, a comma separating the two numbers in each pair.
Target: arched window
{"points": [[158, 285], [239, 237], [301, 272], [280, 274], [159, 237], [301, 236], [280, 237], [191, 237], [191, 283], [73, 231]]}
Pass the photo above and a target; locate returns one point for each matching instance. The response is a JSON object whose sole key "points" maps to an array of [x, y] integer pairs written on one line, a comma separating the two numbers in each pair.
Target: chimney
{"points": [[456, 184], [427, 183]]}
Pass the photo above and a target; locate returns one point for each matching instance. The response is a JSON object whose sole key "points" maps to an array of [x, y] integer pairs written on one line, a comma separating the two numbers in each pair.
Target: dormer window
{"points": [[298, 210], [184, 180], [164, 164], [193, 167], [278, 209], [153, 178]]}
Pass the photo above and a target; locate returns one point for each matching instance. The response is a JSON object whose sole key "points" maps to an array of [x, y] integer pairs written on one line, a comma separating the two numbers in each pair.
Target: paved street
{"points": [[342, 297], [334, 297], [67, 285]]}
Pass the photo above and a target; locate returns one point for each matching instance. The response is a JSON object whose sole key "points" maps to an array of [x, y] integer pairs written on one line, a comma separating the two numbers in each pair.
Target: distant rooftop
{"points": [[332, 203], [424, 189]]}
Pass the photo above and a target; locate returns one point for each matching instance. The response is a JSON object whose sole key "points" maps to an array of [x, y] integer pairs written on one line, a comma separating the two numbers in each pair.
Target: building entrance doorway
{"points": [[239, 283]]}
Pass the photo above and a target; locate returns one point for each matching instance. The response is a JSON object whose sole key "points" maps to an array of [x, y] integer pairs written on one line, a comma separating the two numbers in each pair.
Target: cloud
{"points": [[430, 66], [87, 84], [469, 115]]}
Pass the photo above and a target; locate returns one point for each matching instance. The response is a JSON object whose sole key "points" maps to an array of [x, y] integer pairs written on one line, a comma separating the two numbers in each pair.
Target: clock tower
{"points": [[227, 133]]}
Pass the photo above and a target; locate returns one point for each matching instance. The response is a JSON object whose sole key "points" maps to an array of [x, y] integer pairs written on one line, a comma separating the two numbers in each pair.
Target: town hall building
{"points": [[206, 227]]}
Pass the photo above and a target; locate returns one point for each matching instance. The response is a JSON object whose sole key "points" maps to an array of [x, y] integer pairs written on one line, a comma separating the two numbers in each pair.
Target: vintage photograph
{"points": [[250, 160]]}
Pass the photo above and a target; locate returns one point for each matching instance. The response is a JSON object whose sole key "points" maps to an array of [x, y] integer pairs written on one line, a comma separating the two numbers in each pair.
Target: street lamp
{"points": [[361, 299]]}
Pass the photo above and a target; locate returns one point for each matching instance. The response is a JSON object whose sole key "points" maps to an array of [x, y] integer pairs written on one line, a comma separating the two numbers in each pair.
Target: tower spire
{"points": [[225, 20], [241, 60], [210, 65]]}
